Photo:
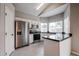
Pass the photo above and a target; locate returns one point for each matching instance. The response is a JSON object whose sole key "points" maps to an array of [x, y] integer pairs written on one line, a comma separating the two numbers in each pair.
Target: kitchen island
{"points": [[57, 45]]}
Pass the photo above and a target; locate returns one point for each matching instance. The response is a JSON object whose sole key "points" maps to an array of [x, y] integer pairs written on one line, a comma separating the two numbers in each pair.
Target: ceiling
{"points": [[47, 10], [54, 11], [30, 8]]}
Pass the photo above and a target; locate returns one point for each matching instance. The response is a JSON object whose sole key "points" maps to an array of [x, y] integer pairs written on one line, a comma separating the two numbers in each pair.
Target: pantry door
{"points": [[9, 28]]}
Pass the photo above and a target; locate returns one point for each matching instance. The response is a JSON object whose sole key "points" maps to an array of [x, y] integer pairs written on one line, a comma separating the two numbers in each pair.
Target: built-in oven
{"points": [[36, 36]]}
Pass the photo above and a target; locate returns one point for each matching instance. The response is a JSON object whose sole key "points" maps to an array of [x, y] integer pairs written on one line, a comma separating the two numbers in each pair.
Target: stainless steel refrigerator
{"points": [[21, 34]]}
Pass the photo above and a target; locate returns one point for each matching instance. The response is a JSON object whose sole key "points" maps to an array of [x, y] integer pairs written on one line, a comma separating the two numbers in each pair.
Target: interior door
{"points": [[9, 29]]}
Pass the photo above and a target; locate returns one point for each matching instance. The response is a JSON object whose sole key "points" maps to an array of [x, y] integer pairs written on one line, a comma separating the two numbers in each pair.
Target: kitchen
{"points": [[46, 35], [46, 28]]}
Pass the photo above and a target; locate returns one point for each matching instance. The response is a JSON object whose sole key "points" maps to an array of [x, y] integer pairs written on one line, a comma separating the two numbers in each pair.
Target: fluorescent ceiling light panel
{"points": [[39, 6]]}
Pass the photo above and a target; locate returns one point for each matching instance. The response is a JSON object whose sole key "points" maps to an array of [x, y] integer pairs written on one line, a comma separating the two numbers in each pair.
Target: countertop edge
{"points": [[57, 40]]}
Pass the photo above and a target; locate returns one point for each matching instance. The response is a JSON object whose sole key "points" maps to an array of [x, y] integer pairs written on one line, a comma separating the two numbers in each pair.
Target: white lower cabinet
{"points": [[65, 47], [30, 38], [53, 48]]}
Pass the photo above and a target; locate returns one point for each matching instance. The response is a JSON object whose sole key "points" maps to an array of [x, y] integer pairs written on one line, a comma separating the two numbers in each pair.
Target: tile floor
{"points": [[36, 49]]}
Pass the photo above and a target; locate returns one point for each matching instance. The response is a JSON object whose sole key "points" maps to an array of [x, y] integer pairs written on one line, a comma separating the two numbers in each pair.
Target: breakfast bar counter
{"points": [[57, 45]]}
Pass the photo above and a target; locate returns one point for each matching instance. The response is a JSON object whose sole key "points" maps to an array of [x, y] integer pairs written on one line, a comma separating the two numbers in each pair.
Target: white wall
{"points": [[74, 19], [44, 19], [2, 29], [67, 19], [56, 18]]}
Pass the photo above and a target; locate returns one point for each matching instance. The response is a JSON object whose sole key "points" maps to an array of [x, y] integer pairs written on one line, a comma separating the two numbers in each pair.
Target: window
{"points": [[43, 27], [52, 27], [55, 26]]}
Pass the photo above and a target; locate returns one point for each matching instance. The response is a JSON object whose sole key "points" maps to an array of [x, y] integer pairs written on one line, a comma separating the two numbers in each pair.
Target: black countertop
{"points": [[58, 37], [54, 36]]}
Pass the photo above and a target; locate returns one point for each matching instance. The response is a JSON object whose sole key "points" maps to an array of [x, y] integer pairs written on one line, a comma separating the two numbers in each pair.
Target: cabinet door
{"points": [[51, 48], [30, 38], [9, 28], [65, 47]]}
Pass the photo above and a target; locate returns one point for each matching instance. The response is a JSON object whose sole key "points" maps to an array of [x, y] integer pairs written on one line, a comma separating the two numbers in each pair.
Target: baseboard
{"points": [[76, 53]]}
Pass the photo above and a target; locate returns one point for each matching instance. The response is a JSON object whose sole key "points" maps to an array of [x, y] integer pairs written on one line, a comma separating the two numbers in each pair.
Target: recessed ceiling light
{"points": [[39, 6]]}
